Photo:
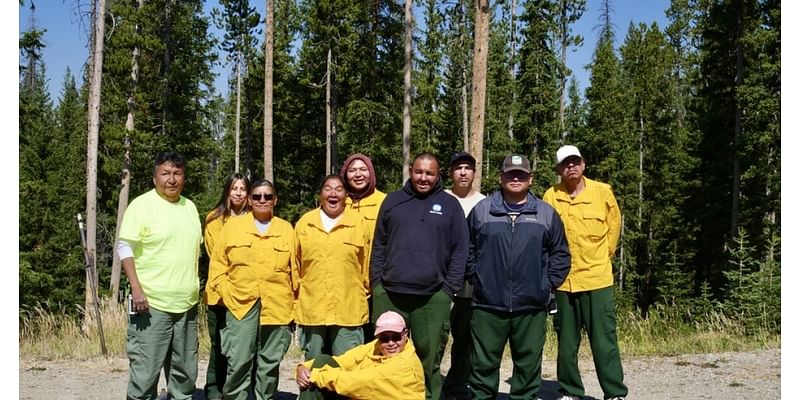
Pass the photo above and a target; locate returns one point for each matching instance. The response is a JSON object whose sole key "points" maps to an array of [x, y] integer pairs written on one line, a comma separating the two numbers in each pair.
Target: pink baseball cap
{"points": [[390, 321]]}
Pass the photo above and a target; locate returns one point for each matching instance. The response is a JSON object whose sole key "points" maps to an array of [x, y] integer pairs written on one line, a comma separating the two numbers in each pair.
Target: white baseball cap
{"points": [[565, 152]]}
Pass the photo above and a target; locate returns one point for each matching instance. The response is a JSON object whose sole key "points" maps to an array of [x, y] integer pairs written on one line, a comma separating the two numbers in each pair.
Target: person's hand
{"points": [[140, 303], [303, 377]]}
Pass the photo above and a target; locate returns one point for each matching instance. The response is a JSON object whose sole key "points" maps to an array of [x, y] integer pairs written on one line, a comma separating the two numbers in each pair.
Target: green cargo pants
{"points": [[158, 340], [525, 333], [594, 311]]}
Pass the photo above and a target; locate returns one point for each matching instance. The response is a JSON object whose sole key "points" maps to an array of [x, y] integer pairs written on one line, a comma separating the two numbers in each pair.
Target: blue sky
{"points": [[66, 34]]}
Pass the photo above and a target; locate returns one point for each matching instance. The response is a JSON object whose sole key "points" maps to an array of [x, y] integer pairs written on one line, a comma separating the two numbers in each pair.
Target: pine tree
{"points": [[610, 147]]}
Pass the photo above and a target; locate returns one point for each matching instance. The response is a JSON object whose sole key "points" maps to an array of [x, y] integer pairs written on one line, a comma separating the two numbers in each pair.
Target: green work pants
{"points": [[428, 320], [525, 333], [217, 364], [329, 339], [158, 340], [594, 311], [247, 345], [320, 394], [273, 342], [239, 339], [458, 376]]}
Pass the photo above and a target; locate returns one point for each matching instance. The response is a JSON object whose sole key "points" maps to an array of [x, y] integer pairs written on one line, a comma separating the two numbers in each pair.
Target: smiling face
{"points": [[237, 196], [358, 176], [169, 180], [424, 174], [331, 197], [392, 343], [262, 202]]}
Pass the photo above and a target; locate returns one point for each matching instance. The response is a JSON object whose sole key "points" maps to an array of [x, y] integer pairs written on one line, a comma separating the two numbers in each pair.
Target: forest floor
{"points": [[755, 374]]}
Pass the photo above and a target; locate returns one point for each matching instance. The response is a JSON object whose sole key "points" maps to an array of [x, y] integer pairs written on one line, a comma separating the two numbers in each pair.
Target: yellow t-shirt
{"points": [[166, 240]]}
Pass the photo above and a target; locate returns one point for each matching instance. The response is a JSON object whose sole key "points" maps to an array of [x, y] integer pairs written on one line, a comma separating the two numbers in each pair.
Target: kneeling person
{"points": [[385, 368]]}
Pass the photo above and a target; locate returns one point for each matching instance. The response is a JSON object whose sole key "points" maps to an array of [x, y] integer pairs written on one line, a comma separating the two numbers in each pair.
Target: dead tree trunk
{"points": [[91, 149], [479, 65], [409, 25], [268, 84], [328, 119]]}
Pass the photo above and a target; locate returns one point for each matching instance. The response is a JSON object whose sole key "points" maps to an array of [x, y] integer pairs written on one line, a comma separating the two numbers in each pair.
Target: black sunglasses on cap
{"points": [[259, 196]]}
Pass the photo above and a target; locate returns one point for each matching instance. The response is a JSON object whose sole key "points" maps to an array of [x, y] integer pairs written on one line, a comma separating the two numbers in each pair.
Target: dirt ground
{"points": [[746, 375]]}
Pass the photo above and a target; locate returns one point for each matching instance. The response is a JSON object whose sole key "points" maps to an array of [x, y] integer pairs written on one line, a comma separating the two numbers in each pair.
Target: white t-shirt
{"points": [[467, 202], [327, 222]]}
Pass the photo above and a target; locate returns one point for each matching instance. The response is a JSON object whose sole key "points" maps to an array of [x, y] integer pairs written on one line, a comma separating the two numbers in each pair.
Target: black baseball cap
{"points": [[456, 157]]}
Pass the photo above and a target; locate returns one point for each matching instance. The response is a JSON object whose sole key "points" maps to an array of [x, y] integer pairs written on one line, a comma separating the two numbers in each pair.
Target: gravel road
{"points": [[746, 375]]}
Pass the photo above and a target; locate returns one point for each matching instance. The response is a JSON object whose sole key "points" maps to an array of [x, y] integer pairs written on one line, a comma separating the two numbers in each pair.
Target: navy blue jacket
{"points": [[421, 243], [515, 265]]}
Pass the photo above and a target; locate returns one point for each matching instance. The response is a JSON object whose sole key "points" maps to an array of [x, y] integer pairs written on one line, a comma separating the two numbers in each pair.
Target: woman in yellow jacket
{"points": [[250, 270], [233, 202], [331, 252], [385, 368], [365, 199], [360, 183]]}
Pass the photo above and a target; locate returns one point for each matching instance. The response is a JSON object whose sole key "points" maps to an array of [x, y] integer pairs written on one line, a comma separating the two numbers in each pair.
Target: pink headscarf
{"points": [[372, 180]]}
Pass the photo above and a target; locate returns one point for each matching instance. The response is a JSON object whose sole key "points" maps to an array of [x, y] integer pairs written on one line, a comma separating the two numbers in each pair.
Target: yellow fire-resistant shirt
{"points": [[368, 208], [247, 266], [365, 374], [210, 234], [334, 274], [592, 226]]}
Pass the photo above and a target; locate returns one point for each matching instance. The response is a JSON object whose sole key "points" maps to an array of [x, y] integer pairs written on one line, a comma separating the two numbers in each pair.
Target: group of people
{"points": [[375, 283]]}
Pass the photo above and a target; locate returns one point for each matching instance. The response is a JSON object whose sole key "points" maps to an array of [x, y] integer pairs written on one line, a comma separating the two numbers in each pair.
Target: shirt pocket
{"points": [[282, 254], [594, 224]]}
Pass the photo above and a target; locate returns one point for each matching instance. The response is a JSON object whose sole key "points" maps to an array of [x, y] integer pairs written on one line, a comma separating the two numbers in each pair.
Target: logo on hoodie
{"points": [[436, 209]]}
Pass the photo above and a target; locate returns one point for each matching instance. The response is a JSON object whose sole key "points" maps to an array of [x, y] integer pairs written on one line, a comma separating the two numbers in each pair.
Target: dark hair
{"points": [[222, 209], [260, 183], [169, 157], [426, 156], [328, 177]]}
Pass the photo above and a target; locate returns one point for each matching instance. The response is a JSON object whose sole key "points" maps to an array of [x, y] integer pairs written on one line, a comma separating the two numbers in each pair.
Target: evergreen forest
{"points": [[683, 121]]}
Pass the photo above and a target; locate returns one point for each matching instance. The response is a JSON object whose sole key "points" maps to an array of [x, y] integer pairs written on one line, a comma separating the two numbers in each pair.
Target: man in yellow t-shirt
{"points": [[159, 245], [585, 300]]}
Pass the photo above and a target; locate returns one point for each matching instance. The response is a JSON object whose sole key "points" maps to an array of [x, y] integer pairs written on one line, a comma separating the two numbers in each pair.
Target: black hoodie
{"points": [[421, 242]]}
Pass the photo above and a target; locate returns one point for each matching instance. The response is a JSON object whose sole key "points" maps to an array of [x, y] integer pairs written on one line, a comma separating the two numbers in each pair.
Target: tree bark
{"points": [[238, 108], [479, 65], [268, 84], [464, 94], [328, 113], [91, 149], [409, 25]]}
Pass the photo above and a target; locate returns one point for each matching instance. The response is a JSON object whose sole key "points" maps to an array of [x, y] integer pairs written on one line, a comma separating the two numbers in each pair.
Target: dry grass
{"points": [[57, 336]]}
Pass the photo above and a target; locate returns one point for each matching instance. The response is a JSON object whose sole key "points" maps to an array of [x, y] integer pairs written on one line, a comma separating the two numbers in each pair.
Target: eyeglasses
{"points": [[262, 196], [393, 337]]}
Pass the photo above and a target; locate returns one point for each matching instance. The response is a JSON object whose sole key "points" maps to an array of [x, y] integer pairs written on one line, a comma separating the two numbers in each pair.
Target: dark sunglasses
{"points": [[260, 196], [394, 337]]}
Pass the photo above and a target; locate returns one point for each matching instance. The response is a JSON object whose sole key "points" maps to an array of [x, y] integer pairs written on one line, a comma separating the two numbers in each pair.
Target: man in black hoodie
{"points": [[419, 254]]}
